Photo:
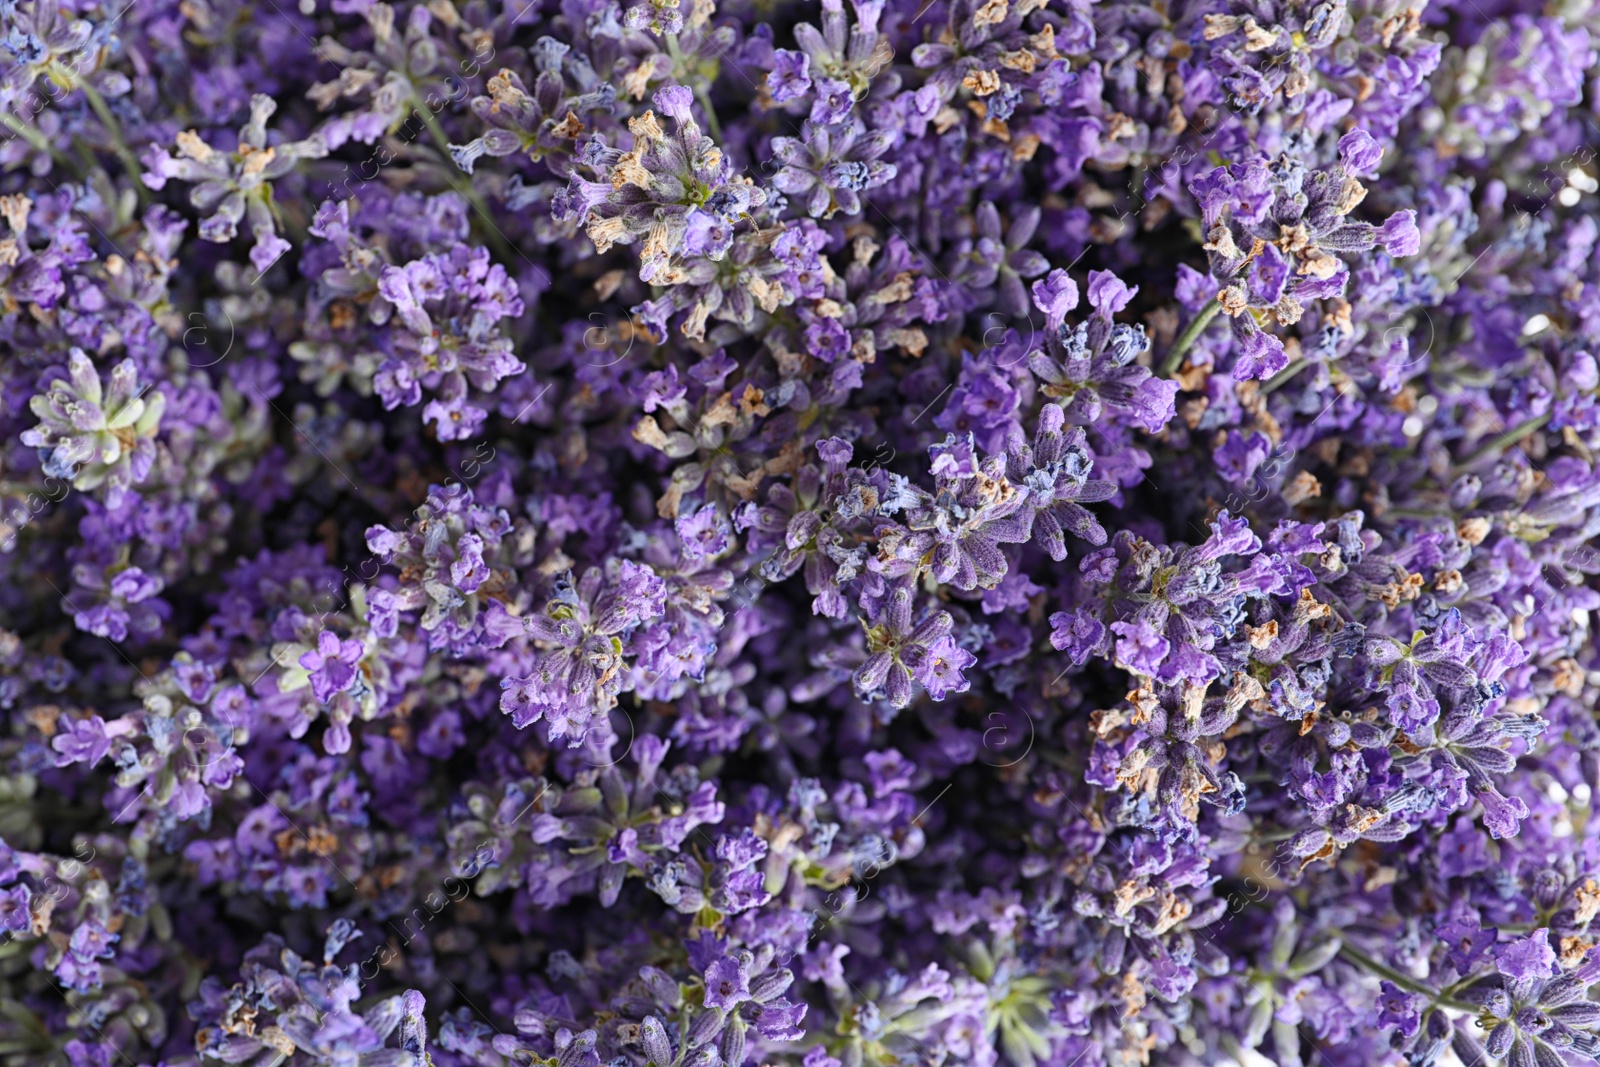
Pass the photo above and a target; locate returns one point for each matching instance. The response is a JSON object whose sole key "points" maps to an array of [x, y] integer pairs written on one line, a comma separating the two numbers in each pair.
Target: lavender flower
{"points": [[739, 535], [93, 435]]}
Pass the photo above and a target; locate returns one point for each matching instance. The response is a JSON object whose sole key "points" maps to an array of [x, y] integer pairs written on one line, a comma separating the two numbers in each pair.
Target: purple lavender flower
{"points": [[900, 654], [93, 436], [831, 166], [235, 187], [583, 628], [660, 190], [952, 644], [332, 664]]}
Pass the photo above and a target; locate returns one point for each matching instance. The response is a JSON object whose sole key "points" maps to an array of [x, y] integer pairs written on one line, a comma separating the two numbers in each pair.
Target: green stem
{"points": [[1520, 430], [1283, 377], [34, 138], [700, 86], [1186, 340], [1383, 970], [293, 222], [114, 131], [1404, 981], [436, 131], [712, 124], [1267, 837]]}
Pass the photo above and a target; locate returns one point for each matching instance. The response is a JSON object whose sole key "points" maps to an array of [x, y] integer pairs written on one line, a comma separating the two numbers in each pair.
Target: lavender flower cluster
{"points": [[800, 533]]}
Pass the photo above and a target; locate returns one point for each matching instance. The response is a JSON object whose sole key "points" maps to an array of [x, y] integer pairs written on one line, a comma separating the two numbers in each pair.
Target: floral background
{"points": [[802, 534]]}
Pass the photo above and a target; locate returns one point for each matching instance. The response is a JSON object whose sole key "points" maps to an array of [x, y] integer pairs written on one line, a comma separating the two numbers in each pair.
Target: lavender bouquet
{"points": [[706, 533]]}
